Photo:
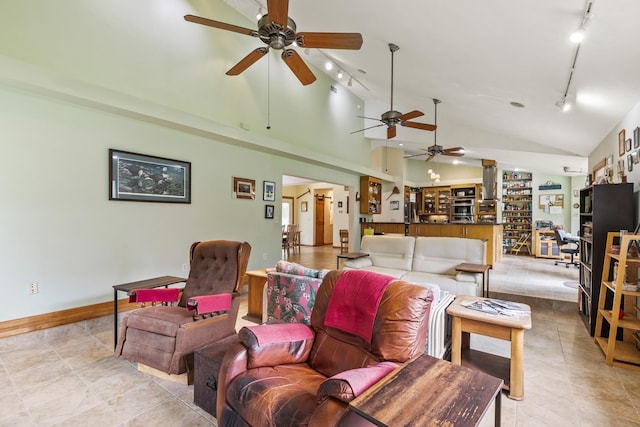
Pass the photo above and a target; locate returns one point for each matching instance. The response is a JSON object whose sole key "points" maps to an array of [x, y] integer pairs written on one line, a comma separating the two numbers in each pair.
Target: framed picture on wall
{"points": [[303, 207], [269, 211], [269, 191], [628, 144], [636, 137], [244, 188], [635, 157], [629, 163], [144, 178], [621, 142]]}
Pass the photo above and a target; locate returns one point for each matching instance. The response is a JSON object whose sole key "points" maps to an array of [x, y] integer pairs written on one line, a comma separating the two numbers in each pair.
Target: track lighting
{"points": [[350, 82], [578, 35], [565, 103], [328, 66], [259, 14], [340, 74]]}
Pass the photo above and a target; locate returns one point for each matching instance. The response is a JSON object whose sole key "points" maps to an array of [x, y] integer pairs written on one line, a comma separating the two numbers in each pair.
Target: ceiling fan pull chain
{"points": [[269, 92]]}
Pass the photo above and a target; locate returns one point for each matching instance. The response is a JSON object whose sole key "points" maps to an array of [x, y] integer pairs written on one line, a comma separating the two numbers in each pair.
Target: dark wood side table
{"points": [[156, 282], [430, 392], [477, 268], [349, 255]]}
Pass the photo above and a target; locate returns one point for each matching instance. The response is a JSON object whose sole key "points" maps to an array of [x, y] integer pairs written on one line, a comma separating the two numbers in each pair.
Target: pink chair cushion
{"points": [[155, 295], [348, 385], [209, 303]]}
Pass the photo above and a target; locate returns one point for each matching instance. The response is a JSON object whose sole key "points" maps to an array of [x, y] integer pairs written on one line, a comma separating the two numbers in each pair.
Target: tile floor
{"points": [[67, 376]]}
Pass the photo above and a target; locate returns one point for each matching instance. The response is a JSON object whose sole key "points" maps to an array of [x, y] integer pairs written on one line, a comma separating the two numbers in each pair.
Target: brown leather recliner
{"points": [[165, 337], [276, 381]]}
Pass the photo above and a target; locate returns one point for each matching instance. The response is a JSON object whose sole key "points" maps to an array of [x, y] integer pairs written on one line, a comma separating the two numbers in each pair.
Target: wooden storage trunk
{"points": [[207, 361]]}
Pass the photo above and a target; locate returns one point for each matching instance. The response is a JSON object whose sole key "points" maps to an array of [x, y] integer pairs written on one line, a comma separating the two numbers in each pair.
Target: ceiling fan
{"points": [[436, 149], [278, 31], [392, 118]]}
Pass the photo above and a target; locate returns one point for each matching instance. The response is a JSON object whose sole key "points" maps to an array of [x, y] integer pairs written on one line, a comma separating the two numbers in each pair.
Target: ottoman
{"points": [[207, 361]]}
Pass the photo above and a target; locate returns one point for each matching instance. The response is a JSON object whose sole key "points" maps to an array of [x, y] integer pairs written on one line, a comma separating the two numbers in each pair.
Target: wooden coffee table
{"points": [[430, 392], [510, 328]]}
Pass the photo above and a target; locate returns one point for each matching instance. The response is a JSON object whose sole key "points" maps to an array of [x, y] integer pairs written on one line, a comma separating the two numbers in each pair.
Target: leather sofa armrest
{"points": [[233, 364], [206, 304], [276, 344]]}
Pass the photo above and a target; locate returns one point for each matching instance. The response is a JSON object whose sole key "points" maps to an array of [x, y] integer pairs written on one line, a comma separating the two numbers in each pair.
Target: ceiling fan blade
{"points": [[452, 153], [278, 11], [247, 61], [297, 65], [370, 118], [410, 115], [330, 40], [220, 25], [453, 149], [429, 158], [391, 132], [416, 125], [370, 127]]}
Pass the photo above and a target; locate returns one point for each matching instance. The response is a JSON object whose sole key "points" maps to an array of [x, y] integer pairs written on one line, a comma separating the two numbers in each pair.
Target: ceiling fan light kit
{"points": [[278, 31]]}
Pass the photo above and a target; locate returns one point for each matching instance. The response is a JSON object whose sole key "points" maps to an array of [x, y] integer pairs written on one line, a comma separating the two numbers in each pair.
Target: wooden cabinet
{"points": [[370, 195], [619, 282], [435, 201], [603, 208], [516, 211], [545, 245]]}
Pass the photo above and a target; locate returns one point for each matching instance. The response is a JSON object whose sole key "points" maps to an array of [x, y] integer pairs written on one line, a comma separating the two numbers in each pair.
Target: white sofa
{"points": [[424, 260]]}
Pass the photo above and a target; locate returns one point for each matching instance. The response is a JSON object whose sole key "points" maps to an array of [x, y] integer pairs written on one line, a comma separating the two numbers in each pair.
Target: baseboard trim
{"points": [[57, 318]]}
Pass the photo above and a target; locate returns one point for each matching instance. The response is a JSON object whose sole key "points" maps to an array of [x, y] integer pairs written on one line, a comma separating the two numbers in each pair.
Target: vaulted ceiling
{"points": [[478, 58]]}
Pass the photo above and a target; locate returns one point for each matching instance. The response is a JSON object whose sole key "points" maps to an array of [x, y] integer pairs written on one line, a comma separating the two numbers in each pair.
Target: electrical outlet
{"points": [[32, 288], [185, 267]]}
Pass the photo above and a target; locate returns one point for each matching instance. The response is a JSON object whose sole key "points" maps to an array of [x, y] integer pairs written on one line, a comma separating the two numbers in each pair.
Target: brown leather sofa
{"points": [[295, 382]]}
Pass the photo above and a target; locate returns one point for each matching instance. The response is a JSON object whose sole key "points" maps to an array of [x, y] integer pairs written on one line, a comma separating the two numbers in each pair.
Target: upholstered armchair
{"points": [[363, 326], [165, 337]]}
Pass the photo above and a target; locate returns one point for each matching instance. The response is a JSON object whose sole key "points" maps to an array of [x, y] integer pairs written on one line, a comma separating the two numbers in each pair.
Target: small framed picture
{"points": [[629, 163], [636, 137], [395, 205], [269, 211], [628, 144], [244, 188], [269, 191], [635, 157], [303, 207], [621, 143], [339, 204]]}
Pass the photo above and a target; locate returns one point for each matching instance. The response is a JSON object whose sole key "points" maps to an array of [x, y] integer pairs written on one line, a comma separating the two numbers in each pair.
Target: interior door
{"points": [[287, 211], [319, 231]]}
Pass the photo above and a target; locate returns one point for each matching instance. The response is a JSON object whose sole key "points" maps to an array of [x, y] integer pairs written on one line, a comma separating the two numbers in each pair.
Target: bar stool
{"points": [[344, 241]]}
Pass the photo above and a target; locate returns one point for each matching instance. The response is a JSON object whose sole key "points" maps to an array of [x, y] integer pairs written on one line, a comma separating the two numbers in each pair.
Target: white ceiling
{"points": [[477, 57]]}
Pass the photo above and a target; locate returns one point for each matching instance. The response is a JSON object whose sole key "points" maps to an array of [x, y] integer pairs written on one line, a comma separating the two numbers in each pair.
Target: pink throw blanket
{"points": [[354, 302], [210, 303], [155, 295]]}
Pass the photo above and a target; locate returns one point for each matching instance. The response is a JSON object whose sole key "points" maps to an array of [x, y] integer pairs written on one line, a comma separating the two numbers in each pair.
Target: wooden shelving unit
{"points": [[370, 195], [516, 211], [617, 270]]}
